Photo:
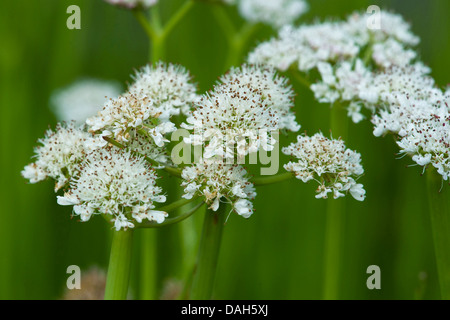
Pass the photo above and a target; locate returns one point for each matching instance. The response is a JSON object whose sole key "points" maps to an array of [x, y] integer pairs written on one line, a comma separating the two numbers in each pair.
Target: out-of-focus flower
{"points": [[275, 13], [346, 53], [93, 282], [83, 99], [131, 4]]}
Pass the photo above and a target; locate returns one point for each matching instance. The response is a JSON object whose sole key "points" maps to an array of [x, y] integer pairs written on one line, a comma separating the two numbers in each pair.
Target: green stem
{"points": [[262, 181], [237, 39], [333, 239], [148, 28], [148, 268], [176, 18], [205, 271], [157, 49], [225, 23], [119, 265], [300, 78], [335, 218], [440, 224]]}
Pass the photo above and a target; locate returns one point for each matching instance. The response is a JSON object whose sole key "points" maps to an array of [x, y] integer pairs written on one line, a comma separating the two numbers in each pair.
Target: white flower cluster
{"points": [[337, 41], [237, 118], [273, 89], [114, 182], [415, 110], [60, 154], [123, 116], [169, 86], [346, 54], [131, 4], [399, 94], [426, 137], [214, 180], [275, 13], [83, 99], [328, 162]]}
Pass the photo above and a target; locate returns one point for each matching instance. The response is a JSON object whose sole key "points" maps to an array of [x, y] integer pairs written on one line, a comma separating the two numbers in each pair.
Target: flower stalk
{"points": [[335, 218], [440, 223], [119, 265], [205, 270]]}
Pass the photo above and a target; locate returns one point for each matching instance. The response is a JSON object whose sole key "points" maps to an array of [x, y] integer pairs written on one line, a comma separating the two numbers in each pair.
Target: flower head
{"points": [[328, 162], [169, 86], [60, 154], [213, 180], [123, 116], [337, 41], [115, 183], [228, 125], [273, 89]]}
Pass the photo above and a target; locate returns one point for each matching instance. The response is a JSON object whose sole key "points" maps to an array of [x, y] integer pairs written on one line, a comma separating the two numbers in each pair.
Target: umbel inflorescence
{"points": [[374, 69], [109, 166]]}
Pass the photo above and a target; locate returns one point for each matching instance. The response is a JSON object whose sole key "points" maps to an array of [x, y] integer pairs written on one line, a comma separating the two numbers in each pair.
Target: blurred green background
{"points": [[278, 252]]}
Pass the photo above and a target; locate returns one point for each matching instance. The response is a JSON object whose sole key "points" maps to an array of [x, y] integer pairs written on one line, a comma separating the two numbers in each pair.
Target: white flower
{"points": [[342, 83], [392, 53], [276, 13], [212, 179], [273, 89], [114, 182], [306, 46], [328, 162], [131, 4], [60, 154], [399, 95], [121, 118], [233, 121], [168, 86], [83, 99], [337, 41], [425, 135]]}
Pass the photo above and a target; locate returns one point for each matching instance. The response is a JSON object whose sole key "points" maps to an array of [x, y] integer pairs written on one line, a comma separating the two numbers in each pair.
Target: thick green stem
{"points": [[335, 219], [148, 269], [333, 239], [440, 223], [205, 270], [119, 265]]}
